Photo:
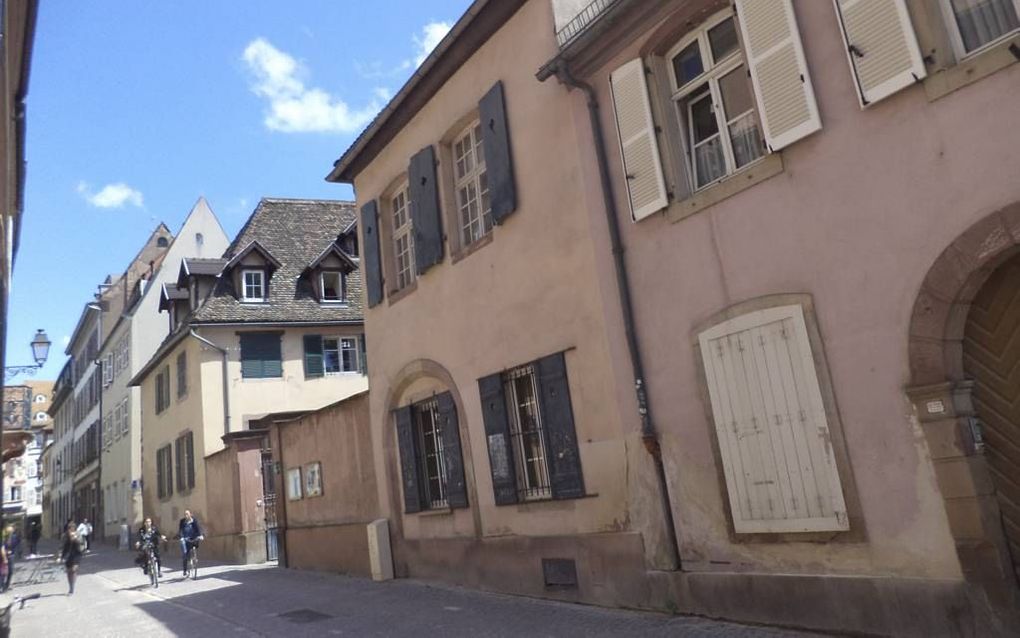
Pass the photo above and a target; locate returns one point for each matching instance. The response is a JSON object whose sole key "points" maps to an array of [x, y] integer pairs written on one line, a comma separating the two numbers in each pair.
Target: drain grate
{"points": [[304, 616]]}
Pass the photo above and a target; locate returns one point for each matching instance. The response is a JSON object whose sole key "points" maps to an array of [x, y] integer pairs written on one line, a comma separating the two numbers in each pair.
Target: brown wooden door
{"points": [[991, 356]]}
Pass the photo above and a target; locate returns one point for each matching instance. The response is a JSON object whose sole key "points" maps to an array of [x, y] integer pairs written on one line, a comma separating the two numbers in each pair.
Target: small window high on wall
{"points": [[771, 424]]}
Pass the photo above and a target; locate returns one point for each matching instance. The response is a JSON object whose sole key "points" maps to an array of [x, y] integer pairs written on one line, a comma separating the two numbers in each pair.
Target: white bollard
{"points": [[379, 554]]}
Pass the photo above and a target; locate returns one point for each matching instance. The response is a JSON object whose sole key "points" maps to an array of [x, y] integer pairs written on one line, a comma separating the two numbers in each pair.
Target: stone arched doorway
{"points": [[942, 394], [991, 358]]}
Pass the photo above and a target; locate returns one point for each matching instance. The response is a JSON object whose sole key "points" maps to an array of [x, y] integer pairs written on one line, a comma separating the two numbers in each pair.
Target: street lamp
{"points": [[40, 352]]}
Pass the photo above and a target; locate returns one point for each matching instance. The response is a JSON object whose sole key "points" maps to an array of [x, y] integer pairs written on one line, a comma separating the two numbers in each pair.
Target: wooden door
{"points": [[991, 355]]}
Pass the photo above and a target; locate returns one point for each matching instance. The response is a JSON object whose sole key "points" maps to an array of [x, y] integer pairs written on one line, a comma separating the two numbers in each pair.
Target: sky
{"points": [[136, 109]]}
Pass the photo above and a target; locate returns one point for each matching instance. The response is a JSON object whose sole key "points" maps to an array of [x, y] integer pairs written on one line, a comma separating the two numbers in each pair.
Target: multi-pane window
{"points": [[254, 285], [471, 185], [714, 103], [527, 435], [403, 238], [974, 24], [182, 374], [332, 285], [340, 354], [164, 471], [125, 418], [107, 369], [430, 449]]}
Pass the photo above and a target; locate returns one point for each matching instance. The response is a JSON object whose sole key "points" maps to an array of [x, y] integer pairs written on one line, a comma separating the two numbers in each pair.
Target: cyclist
{"points": [[149, 533], [190, 533]]}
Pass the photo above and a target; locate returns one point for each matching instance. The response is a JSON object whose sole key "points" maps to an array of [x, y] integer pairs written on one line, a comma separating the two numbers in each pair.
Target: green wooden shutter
{"points": [[313, 356], [372, 256], [260, 355], [497, 436], [408, 460], [363, 351], [558, 421], [496, 144], [456, 488]]}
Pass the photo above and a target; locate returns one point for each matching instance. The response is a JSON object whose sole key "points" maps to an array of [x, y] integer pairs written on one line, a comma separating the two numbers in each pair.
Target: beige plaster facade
{"points": [[200, 411]]}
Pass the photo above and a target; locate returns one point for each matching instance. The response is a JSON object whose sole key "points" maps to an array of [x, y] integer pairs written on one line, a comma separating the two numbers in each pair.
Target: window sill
{"points": [[971, 69], [768, 166], [442, 511], [474, 247], [260, 379], [396, 295]]}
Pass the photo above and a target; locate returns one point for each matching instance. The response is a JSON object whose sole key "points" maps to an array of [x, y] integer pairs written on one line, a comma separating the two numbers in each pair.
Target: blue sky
{"points": [[135, 109]]}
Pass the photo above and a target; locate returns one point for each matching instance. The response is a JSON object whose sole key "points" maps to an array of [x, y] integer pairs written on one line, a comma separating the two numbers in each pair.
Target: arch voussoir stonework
{"points": [[941, 397]]}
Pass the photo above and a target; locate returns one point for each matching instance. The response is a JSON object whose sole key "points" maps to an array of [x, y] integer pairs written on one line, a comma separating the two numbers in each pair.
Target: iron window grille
{"points": [[432, 459], [527, 433]]}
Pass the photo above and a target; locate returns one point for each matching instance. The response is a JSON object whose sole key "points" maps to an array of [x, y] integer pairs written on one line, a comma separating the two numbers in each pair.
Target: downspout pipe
{"points": [[649, 434], [226, 386]]}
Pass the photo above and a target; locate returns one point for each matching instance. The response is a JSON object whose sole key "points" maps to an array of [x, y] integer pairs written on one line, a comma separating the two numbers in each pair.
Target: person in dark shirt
{"points": [[70, 554], [149, 533], [190, 533]]}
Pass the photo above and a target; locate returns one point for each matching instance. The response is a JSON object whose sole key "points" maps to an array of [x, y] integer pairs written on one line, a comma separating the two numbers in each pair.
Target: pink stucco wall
{"points": [[857, 217]]}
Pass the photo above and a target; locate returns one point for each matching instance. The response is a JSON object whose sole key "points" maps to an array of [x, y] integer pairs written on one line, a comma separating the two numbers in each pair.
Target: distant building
{"points": [[273, 325]]}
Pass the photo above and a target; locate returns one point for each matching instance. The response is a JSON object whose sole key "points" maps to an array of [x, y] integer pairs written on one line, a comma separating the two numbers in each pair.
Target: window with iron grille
{"points": [[471, 185], [431, 459], [527, 434]]}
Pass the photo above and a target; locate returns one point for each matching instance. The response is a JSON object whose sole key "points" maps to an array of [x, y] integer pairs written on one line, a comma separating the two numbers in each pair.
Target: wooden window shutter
{"points": [[771, 424], [558, 421], [779, 74], [363, 352], [642, 166], [423, 192], [407, 446], [371, 253], [261, 355], [159, 474], [880, 46], [497, 436], [498, 161], [179, 463], [456, 488], [189, 446], [272, 358], [182, 374], [313, 356]]}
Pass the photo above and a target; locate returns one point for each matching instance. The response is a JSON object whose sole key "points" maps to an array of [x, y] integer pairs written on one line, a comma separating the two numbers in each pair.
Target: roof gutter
{"points": [[31, 14], [649, 434]]}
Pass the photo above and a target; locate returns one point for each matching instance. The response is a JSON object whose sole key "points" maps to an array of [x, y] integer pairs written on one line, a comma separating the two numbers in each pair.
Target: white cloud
{"points": [[294, 107], [431, 34], [66, 340], [115, 195]]}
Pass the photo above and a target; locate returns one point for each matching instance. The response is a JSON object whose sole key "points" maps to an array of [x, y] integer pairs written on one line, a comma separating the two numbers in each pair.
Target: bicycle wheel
{"points": [[193, 563], [153, 572]]}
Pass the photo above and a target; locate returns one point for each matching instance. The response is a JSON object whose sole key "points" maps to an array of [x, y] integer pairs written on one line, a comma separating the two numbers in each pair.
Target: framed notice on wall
{"points": [[294, 484], [313, 479]]}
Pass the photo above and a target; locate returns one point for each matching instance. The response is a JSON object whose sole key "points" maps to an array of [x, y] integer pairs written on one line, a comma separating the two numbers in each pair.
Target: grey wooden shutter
{"points": [[881, 47], [498, 162], [260, 356], [179, 463], [313, 356], [558, 421], [423, 191], [497, 437], [456, 488], [363, 351], [372, 258], [251, 363], [408, 460], [189, 444]]}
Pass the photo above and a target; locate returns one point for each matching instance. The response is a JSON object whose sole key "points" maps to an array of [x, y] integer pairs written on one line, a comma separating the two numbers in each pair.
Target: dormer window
{"points": [[331, 283], [253, 286]]}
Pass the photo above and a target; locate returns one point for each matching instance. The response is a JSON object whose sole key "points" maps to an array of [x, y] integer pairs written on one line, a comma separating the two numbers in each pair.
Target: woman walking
{"points": [[70, 554]]}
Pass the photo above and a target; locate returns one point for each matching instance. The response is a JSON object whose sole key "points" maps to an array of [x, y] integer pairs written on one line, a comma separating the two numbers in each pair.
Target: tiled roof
{"points": [[200, 266], [295, 232]]}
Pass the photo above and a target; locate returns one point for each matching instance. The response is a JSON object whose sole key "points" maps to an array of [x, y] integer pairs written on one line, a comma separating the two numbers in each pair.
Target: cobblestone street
{"points": [[113, 599]]}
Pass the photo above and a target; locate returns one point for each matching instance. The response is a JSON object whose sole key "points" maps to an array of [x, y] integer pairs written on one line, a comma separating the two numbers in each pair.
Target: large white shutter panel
{"points": [[881, 47], [641, 163], [771, 424], [786, 101]]}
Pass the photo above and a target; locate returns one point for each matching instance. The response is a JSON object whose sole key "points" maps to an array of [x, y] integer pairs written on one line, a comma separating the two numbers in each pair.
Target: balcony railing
{"points": [[581, 21]]}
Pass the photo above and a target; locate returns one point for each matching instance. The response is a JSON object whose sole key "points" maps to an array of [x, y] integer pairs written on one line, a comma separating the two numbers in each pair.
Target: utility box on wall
{"points": [[379, 555]]}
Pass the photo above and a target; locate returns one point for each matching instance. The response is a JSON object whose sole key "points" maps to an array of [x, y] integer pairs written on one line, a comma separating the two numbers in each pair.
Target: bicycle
{"points": [[192, 556], [151, 564]]}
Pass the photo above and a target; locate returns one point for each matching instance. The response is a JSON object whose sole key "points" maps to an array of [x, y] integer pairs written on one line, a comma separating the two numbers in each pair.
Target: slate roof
{"points": [[295, 232]]}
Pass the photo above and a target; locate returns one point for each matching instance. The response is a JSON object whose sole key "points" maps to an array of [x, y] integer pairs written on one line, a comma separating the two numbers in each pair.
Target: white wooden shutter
{"points": [[646, 188], [771, 425], [775, 57], [881, 47]]}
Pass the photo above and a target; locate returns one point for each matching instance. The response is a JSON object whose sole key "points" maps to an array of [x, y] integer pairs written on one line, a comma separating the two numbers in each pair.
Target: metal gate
{"points": [[269, 507]]}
